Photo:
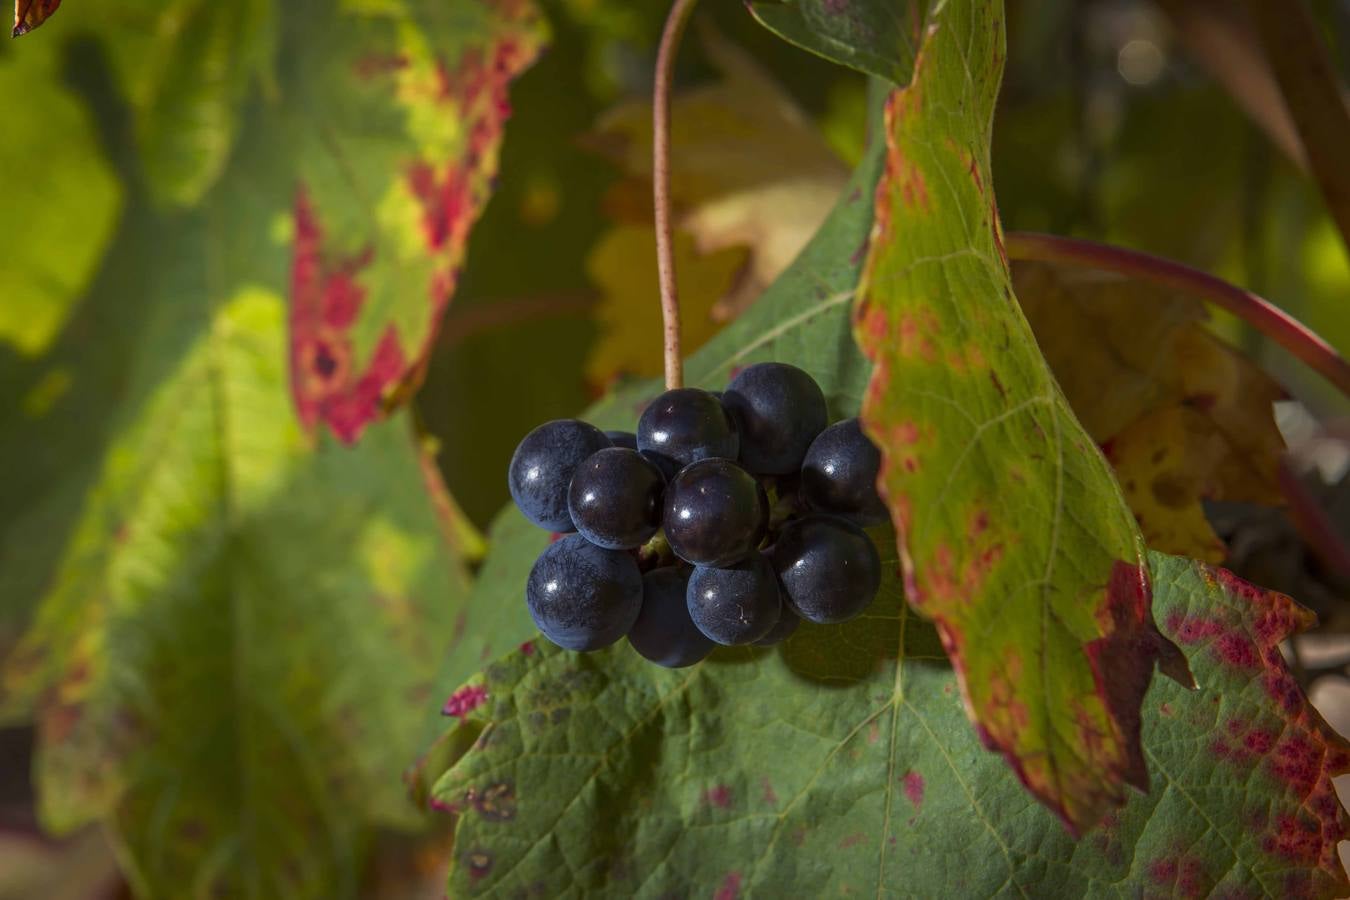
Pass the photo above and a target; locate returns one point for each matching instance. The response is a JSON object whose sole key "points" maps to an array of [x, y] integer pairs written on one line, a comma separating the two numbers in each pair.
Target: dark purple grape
{"points": [[683, 426], [787, 624], [663, 632], [839, 474], [622, 439], [615, 499], [778, 410], [828, 568], [581, 596], [542, 469], [715, 513], [735, 605]]}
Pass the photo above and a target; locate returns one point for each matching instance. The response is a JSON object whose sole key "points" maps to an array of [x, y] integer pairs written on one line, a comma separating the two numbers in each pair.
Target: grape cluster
{"points": [[726, 519]]}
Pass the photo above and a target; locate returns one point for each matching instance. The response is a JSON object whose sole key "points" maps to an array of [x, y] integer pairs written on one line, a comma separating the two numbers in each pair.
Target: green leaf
{"points": [[880, 39], [186, 68], [61, 201], [1012, 532], [842, 765]]}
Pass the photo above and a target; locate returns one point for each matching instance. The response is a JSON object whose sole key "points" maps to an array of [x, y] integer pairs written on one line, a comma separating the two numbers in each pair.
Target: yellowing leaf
{"points": [[749, 170], [623, 265], [1181, 415]]}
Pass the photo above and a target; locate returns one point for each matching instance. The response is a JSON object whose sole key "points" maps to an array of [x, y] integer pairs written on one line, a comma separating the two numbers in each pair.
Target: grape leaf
{"points": [[385, 201], [185, 68], [880, 39], [1013, 535], [29, 14], [842, 764], [1181, 415], [207, 540]]}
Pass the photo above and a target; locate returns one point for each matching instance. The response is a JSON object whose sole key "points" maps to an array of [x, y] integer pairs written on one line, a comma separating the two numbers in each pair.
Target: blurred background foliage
{"points": [[1115, 123]]}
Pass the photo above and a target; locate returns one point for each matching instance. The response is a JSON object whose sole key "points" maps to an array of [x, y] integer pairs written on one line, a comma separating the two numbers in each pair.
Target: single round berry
{"points": [[581, 596], [622, 439], [738, 604], [685, 425], [542, 468], [839, 474], [615, 498], [778, 410], [787, 624], [663, 632], [715, 513], [828, 567]]}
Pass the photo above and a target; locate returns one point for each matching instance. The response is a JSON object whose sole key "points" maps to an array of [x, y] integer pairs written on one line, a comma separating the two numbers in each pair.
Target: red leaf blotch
{"points": [[731, 887], [913, 782], [719, 796], [465, 700]]}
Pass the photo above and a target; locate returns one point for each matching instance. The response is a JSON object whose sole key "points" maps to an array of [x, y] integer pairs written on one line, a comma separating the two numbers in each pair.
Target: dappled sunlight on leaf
{"points": [[164, 701], [52, 250]]}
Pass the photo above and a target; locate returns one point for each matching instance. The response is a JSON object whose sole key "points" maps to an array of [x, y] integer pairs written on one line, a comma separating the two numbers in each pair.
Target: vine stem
{"points": [[1261, 314], [676, 21]]}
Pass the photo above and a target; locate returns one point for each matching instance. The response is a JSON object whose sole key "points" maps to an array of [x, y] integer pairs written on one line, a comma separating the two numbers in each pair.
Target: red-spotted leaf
{"points": [[29, 14], [842, 765], [386, 197], [1012, 532], [238, 622]]}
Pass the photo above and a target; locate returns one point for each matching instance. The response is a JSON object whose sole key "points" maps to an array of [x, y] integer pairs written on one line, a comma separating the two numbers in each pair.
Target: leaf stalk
{"points": [[676, 21]]}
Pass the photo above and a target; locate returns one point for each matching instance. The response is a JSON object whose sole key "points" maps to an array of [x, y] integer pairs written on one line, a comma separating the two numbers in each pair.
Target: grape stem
{"points": [[676, 21], [1261, 314]]}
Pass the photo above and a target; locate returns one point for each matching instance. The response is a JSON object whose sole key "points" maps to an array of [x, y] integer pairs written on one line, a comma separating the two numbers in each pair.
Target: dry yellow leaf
{"points": [[1182, 416], [751, 181], [623, 266]]}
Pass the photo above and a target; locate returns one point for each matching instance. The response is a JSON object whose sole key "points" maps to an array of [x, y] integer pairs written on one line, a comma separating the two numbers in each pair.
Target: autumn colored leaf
{"points": [[751, 179], [382, 212], [623, 266], [1012, 533], [29, 14], [239, 621], [842, 764], [1182, 416]]}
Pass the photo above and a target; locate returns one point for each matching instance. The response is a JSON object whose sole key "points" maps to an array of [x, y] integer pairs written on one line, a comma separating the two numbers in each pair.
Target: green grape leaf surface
{"points": [[1012, 533]]}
